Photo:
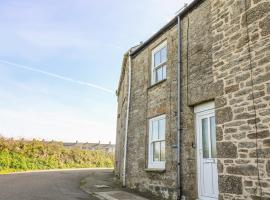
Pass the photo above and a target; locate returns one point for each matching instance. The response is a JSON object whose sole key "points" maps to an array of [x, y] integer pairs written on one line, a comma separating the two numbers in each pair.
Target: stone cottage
{"points": [[194, 105]]}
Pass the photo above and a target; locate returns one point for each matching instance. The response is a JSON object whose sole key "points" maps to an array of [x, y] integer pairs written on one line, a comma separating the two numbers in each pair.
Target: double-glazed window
{"points": [[159, 63], [157, 130]]}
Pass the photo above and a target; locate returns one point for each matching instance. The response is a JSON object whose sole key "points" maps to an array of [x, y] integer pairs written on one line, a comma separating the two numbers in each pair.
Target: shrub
{"points": [[5, 160], [18, 161], [32, 155]]}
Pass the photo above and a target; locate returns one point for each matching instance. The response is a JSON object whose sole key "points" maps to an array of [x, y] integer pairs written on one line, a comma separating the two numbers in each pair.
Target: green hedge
{"points": [[36, 155]]}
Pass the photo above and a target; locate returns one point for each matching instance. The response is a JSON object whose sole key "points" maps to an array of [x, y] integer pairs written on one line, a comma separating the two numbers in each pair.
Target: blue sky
{"points": [[76, 42]]}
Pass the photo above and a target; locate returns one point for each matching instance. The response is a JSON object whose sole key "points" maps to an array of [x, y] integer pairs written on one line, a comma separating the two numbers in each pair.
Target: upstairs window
{"points": [[159, 63], [157, 129]]}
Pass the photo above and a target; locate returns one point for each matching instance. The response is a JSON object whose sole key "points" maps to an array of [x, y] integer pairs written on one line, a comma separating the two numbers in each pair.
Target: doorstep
{"points": [[102, 185], [117, 195]]}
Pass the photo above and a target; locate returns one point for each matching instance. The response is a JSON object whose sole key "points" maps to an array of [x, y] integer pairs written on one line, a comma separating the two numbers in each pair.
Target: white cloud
{"points": [[53, 38], [64, 31], [32, 110], [64, 78], [62, 126]]}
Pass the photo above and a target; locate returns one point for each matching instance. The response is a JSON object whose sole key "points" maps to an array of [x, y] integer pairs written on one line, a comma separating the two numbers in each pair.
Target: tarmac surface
{"points": [[78, 184], [104, 186], [44, 185]]}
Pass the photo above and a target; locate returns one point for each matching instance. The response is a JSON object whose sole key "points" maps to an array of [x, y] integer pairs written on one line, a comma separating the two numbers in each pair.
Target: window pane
{"points": [[205, 141], [162, 129], [164, 73], [156, 151], [159, 74], [157, 59], [155, 130], [213, 137], [163, 54], [162, 153]]}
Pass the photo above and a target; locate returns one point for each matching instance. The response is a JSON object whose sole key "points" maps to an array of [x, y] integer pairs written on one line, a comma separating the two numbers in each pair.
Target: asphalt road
{"points": [[56, 185]]}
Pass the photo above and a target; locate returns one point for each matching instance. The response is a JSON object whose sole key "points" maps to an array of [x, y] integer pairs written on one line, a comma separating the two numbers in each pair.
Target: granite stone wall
{"points": [[225, 57], [241, 60], [198, 86], [148, 101], [122, 95]]}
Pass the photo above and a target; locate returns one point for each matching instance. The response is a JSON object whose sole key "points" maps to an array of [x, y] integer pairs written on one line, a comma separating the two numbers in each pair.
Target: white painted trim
{"points": [[151, 163], [202, 111], [204, 107], [159, 47], [158, 118], [154, 51]]}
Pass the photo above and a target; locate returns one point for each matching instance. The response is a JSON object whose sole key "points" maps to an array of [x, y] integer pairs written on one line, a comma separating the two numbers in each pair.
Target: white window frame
{"points": [[153, 68], [151, 163]]}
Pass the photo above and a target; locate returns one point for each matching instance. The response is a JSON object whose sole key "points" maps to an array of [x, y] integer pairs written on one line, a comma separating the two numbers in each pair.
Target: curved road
{"points": [[50, 185]]}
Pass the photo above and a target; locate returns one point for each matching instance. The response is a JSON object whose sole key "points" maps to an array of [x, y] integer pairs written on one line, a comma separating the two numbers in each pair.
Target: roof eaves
{"points": [[166, 27], [125, 59]]}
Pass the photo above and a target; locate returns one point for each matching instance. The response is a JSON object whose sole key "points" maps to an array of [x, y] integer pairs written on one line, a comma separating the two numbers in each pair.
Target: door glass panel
{"points": [[156, 151], [213, 137], [205, 138], [162, 153]]}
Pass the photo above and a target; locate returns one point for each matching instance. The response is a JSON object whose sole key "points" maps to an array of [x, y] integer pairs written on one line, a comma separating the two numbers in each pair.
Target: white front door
{"points": [[206, 152]]}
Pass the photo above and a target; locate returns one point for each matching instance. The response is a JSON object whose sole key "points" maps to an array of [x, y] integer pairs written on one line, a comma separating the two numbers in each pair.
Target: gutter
{"points": [[127, 121]]}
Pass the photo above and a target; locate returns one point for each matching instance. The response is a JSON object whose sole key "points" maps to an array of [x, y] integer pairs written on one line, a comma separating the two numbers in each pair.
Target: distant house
{"points": [[193, 117], [110, 148]]}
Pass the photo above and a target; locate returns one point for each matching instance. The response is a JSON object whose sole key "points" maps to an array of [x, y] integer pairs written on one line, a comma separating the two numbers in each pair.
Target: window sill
{"points": [[155, 170], [157, 83]]}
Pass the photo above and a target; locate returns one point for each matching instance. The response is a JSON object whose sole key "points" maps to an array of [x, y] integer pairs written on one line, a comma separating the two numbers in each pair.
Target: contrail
{"points": [[57, 76]]}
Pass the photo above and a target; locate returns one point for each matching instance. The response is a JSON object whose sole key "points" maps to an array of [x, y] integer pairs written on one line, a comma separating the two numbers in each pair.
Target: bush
{"points": [[18, 161], [34, 155], [5, 160]]}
